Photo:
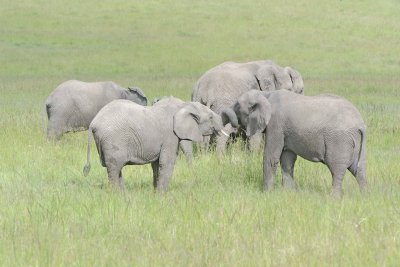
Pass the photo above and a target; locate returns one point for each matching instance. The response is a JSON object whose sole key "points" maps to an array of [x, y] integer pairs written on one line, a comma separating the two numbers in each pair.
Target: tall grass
{"points": [[214, 213]]}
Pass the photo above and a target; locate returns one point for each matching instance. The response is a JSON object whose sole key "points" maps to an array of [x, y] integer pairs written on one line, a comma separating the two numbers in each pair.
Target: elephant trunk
{"points": [[229, 116]]}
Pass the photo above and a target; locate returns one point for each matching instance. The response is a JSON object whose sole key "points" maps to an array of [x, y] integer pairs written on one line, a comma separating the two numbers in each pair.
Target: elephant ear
{"points": [[260, 112], [283, 80], [228, 115], [266, 78], [139, 94], [186, 123], [155, 100], [297, 80]]}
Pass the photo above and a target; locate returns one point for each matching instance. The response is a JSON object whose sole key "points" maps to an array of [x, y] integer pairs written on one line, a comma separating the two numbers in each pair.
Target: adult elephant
{"points": [[221, 86], [129, 134], [322, 128], [73, 104]]}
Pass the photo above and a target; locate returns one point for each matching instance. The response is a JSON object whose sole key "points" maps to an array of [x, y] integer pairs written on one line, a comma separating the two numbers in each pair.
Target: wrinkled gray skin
{"points": [[323, 128], [73, 104], [221, 86], [129, 134], [185, 145]]}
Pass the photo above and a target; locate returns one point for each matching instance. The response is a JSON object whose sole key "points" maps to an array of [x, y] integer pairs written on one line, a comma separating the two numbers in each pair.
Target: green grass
{"points": [[215, 213]]}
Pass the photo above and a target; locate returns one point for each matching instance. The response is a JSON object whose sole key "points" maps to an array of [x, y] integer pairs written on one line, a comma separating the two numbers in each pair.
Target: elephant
{"points": [[126, 133], [324, 128], [73, 104], [185, 145], [221, 86]]}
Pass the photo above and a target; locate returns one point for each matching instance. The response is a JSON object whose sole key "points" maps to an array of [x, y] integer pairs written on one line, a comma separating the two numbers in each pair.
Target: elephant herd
{"points": [[249, 99]]}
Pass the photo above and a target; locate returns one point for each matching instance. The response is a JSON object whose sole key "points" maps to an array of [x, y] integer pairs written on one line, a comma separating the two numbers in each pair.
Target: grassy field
{"points": [[215, 213]]}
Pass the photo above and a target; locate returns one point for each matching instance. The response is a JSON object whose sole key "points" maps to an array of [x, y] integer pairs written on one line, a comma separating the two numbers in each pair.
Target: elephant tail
{"points": [[86, 168], [357, 168], [361, 155], [45, 113], [362, 148]]}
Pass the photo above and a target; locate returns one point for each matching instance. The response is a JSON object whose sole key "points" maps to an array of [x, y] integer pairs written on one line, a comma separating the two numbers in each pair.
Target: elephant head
{"points": [[297, 81], [194, 120], [272, 77], [252, 111], [136, 95]]}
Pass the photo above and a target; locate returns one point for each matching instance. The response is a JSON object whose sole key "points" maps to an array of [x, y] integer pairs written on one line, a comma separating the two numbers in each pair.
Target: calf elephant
{"points": [[73, 104], [129, 134], [221, 86], [323, 128]]}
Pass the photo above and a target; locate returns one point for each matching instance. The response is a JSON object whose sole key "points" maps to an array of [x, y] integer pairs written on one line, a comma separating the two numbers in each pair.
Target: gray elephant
{"points": [[323, 128], [221, 86], [185, 145], [73, 104], [129, 134]]}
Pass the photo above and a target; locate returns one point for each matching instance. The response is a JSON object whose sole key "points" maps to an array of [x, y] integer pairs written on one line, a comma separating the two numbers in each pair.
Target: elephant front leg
{"points": [[272, 153], [166, 164], [204, 145], [187, 149], [269, 173], [288, 158]]}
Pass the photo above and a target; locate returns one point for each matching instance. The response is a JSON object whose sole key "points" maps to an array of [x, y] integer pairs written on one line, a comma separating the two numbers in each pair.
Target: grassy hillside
{"points": [[215, 213]]}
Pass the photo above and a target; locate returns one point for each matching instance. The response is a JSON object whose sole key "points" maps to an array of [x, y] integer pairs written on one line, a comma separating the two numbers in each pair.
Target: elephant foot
{"points": [[337, 193], [117, 186], [288, 184], [161, 189], [267, 187]]}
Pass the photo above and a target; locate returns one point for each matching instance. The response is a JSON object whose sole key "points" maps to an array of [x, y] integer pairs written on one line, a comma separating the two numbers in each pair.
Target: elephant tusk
{"points": [[224, 133]]}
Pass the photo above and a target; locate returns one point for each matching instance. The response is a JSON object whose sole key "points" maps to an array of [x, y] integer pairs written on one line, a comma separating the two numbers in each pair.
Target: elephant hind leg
{"points": [[54, 132], [115, 176], [358, 172], [337, 171], [288, 158], [155, 167]]}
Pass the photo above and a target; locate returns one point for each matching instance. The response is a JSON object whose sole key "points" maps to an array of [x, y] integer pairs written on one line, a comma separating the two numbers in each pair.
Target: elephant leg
{"points": [[361, 178], [359, 174], [155, 167], [288, 158], [254, 141], [223, 137], [187, 149], [272, 152], [165, 168], [204, 145], [115, 176], [54, 130], [337, 171]]}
